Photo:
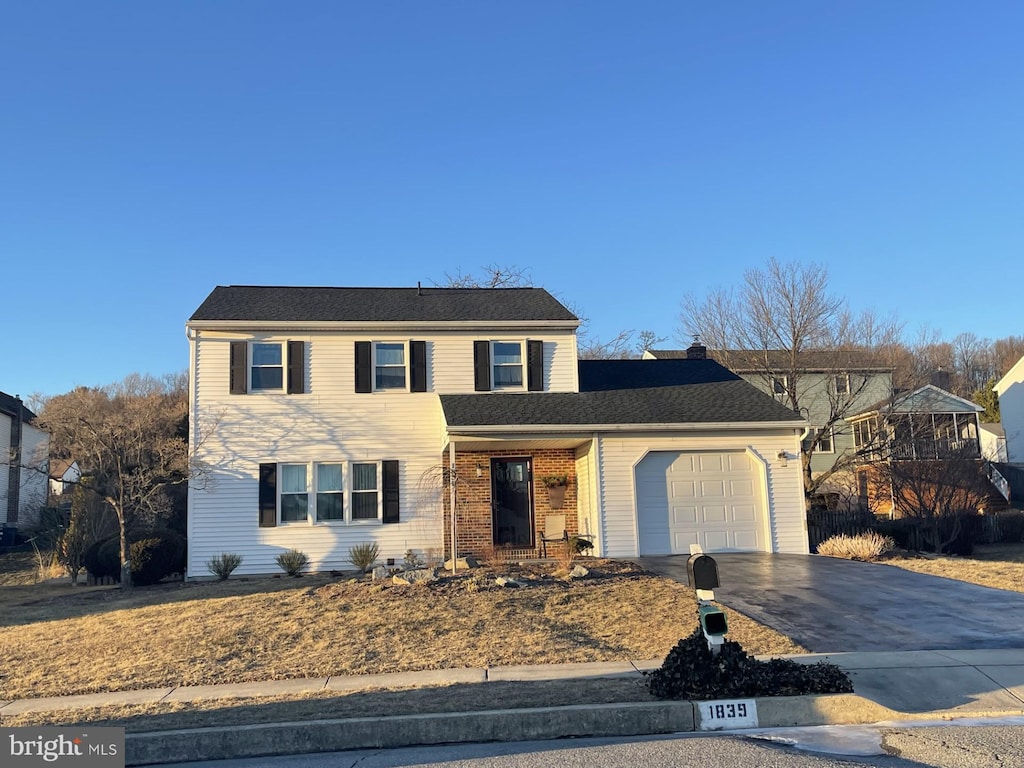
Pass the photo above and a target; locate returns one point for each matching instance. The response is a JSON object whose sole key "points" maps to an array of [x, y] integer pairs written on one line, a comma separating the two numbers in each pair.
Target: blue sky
{"points": [[623, 153]]}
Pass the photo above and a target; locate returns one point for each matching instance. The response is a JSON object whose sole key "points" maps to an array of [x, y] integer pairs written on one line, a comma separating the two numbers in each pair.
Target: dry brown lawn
{"points": [[992, 565], [244, 630]]}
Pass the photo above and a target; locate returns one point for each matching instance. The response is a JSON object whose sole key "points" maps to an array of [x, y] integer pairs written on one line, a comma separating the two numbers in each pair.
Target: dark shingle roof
{"points": [[746, 360], [310, 304], [10, 406], [626, 392]]}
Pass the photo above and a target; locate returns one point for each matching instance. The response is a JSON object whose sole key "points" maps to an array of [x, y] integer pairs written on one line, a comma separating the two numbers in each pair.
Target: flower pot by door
{"points": [[556, 496]]}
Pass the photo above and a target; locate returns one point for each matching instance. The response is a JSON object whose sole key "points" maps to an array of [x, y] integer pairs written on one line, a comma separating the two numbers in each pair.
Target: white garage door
{"points": [[711, 499]]}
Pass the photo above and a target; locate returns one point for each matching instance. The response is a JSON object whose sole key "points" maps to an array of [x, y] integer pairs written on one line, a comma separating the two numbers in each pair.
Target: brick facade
{"points": [[474, 517]]}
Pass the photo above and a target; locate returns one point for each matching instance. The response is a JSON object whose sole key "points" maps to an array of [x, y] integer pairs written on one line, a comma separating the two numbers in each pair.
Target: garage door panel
{"points": [[715, 514], [712, 489], [683, 490], [683, 515], [711, 499], [744, 513]]}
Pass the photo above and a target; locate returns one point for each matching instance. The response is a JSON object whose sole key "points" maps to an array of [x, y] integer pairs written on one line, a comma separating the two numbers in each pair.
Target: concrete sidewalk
{"points": [[888, 686]]}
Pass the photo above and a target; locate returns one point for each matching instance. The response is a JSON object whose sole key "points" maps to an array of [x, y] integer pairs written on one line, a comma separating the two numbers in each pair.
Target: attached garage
{"points": [[712, 498]]}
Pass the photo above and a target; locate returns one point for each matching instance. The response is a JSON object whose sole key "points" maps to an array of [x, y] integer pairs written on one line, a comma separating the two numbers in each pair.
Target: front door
{"points": [[511, 503]]}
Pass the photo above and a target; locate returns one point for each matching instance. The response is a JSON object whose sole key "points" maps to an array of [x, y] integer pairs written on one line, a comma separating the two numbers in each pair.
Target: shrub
{"points": [[363, 556], [103, 558], [155, 555], [412, 560], [223, 564], [292, 562], [865, 546], [690, 671]]}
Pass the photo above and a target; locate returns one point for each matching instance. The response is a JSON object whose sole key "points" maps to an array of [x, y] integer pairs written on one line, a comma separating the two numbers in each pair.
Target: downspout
{"points": [[193, 437], [599, 490], [451, 501]]}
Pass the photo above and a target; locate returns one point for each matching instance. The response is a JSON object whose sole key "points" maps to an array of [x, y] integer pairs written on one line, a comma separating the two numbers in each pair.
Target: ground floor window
{"points": [[329, 492]]}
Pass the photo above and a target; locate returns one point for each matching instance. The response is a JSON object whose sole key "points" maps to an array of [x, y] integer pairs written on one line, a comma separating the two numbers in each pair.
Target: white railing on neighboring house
{"points": [[1001, 483]]}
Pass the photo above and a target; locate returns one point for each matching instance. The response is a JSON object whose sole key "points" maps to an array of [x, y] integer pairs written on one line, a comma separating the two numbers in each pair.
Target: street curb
{"points": [[631, 719]]}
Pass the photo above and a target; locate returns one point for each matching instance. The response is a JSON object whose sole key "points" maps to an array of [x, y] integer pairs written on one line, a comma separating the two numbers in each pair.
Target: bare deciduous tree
{"points": [[784, 324], [130, 440]]}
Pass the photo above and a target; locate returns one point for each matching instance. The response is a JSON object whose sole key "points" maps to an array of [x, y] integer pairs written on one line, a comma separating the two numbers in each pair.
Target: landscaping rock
{"points": [[505, 581], [463, 563], [579, 572], [418, 576], [380, 572]]}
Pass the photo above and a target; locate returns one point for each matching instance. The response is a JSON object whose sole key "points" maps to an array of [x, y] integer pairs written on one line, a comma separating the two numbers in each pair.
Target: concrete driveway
{"points": [[830, 605]]}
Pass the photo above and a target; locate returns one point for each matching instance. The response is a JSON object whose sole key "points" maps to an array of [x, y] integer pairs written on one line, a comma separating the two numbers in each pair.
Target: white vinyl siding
{"points": [[329, 423], [783, 486]]}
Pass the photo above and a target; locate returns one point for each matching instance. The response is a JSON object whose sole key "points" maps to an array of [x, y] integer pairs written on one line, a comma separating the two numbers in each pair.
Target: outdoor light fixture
{"points": [[479, 470], [784, 458]]}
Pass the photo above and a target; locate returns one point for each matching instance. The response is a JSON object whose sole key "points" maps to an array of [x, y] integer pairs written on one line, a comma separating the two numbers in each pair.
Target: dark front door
{"points": [[511, 502]]}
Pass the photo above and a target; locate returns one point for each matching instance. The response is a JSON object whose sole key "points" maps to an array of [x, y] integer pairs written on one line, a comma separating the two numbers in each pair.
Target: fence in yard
{"points": [[823, 524]]}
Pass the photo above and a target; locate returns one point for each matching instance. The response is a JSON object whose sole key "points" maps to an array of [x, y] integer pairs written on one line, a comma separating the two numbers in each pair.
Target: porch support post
{"points": [[452, 499]]}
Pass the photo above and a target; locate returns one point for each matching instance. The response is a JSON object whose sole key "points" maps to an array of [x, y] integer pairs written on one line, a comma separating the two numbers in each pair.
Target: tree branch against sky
{"points": [[771, 321]]}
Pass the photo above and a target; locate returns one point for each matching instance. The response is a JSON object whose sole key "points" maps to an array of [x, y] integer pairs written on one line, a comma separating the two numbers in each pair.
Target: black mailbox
{"points": [[702, 572]]}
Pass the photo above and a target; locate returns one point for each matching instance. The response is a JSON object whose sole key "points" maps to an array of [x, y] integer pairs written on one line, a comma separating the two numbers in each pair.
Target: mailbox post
{"points": [[702, 571]]}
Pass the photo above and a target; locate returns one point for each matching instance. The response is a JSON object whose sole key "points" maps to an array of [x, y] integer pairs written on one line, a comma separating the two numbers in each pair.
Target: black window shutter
{"points": [[418, 366], [482, 366], [389, 470], [535, 366], [364, 367], [296, 367], [239, 350], [268, 495]]}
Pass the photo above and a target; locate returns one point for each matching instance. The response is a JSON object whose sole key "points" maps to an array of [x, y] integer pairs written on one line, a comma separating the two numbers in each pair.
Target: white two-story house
{"points": [[24, 458], [331, 417]]}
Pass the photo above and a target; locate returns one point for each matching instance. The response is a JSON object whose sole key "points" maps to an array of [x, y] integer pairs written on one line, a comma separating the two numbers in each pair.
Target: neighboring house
{"points": [[1010, 390], [64, 473], [23, 465], [829, 383], [326, 415], [928, 426], [993, 442]]}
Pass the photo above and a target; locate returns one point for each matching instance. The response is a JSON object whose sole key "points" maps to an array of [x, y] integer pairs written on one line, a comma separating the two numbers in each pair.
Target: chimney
{"points": [[696, 351], [940, 379]]}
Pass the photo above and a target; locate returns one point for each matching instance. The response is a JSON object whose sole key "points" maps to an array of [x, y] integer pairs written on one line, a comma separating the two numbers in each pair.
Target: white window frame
{"points": [[405, 365], [819, 435], [845, 379], [353, 492], [281, 492], [780, 385], [522, 366], [252, 365], [315, 493], [347, 492]]}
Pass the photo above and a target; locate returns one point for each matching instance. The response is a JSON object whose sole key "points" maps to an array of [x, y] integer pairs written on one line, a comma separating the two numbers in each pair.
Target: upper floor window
{"points": [[389, 365], [508, 364], [267, 366], [841, 383], [820, 439], [780, 384], [267, 369]]}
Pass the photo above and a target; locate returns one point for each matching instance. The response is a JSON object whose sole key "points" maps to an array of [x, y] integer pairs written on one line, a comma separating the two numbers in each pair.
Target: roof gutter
{"points": [[382, 325], [733, 426]]}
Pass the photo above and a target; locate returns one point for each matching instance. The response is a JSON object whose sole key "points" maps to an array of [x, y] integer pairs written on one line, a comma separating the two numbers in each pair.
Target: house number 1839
{"points": [[731, 714]]}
